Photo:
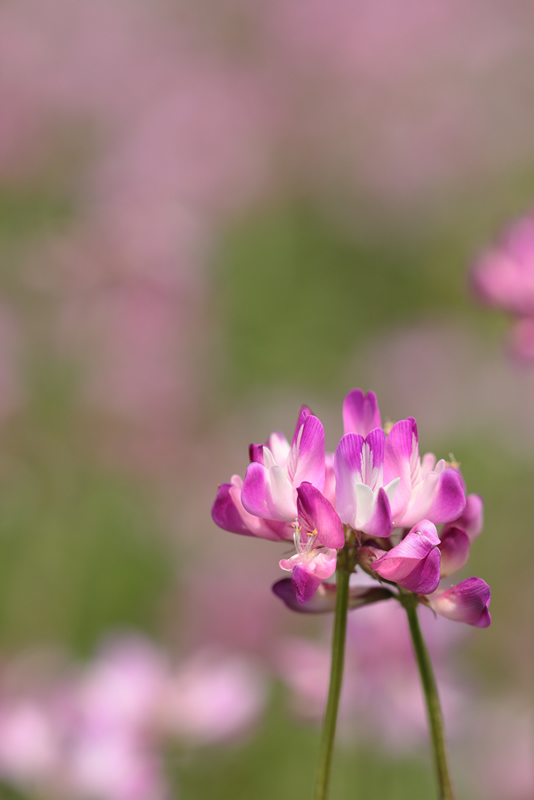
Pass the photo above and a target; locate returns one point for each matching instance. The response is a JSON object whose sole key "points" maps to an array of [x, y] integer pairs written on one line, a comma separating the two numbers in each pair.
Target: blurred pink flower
{"points": [[504, 277], [99, 732], [212, 696], [30, 742], [120, 688], [113, 766]]}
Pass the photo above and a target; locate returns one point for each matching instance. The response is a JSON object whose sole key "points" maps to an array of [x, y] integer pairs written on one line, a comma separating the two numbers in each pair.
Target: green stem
{"points": [[435, 719], [336, 677]]}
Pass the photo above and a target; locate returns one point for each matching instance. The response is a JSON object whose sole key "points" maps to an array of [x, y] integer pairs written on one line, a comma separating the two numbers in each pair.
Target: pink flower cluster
{"points": [[98, 733], [503, 277], [375, 497]]}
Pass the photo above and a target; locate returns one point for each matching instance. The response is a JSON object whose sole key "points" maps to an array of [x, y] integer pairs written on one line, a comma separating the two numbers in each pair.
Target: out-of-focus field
{"points": [[210, 214]]}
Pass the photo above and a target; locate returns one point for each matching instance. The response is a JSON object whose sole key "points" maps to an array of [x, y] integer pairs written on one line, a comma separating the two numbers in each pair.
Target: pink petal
{"points": [[472, 518], [304, 583], [422, 499], [424, 578], [468, 601], [414, 563], [401, 448], [347, 465], [315, 513], [329, 490], [380, 523], [225, 514], [360, 412], [303, 413], [449, 499], [255, 453], [256, 492], [428, 530], [454, 548], [262, 528], [306, 460], [279, 447]]}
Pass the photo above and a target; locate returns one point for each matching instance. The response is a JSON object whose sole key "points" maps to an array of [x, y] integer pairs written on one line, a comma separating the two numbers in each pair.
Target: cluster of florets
{"points": [[374, 499]]}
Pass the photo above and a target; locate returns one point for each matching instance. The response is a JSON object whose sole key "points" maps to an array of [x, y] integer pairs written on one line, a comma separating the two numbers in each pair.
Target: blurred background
{"points": [[212, 212]]}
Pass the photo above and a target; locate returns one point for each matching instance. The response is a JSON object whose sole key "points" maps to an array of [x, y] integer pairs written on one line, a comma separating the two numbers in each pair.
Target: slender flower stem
{"points": [[435, 719], [336, 676]]}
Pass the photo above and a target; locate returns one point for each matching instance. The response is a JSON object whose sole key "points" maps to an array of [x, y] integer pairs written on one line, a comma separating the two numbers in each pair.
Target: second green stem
{"points": [[446, 791]]}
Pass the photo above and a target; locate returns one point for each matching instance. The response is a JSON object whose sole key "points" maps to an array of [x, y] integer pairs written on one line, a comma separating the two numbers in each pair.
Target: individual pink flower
{"points": [[118, 689], [503, 276], [30, 746], [414, 563], [318, 524], [211, 697], [229, 514], [426, 490], [111, 766], [272, 479], [362, 500], [468, 601]]}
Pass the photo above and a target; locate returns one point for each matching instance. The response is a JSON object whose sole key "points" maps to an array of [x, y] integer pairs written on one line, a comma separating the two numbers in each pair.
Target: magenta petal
{"points": [[449, 501], [303, 413], [373, 456], [380, 523], [348, 456], [225, 514], [255, 453], [400, 446], [472, 518], [305, 583], [424, 578], [256, 492], [468, 602], [324, 599], [347, 466], [414, 563], [360, 412], [316, 514], [306, 460], [454, 548], [428, 530]]}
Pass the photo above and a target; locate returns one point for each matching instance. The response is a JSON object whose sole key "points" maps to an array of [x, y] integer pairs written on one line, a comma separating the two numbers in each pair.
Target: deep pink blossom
{"points": [[504, 275], [229, 514], [468, 601], [317, 535], [362, 499], [426, 490], [415, 562], [270, 486]]}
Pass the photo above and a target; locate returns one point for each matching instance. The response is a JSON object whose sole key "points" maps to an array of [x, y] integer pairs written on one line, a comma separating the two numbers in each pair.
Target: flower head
{"points": [[375, 498]]}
